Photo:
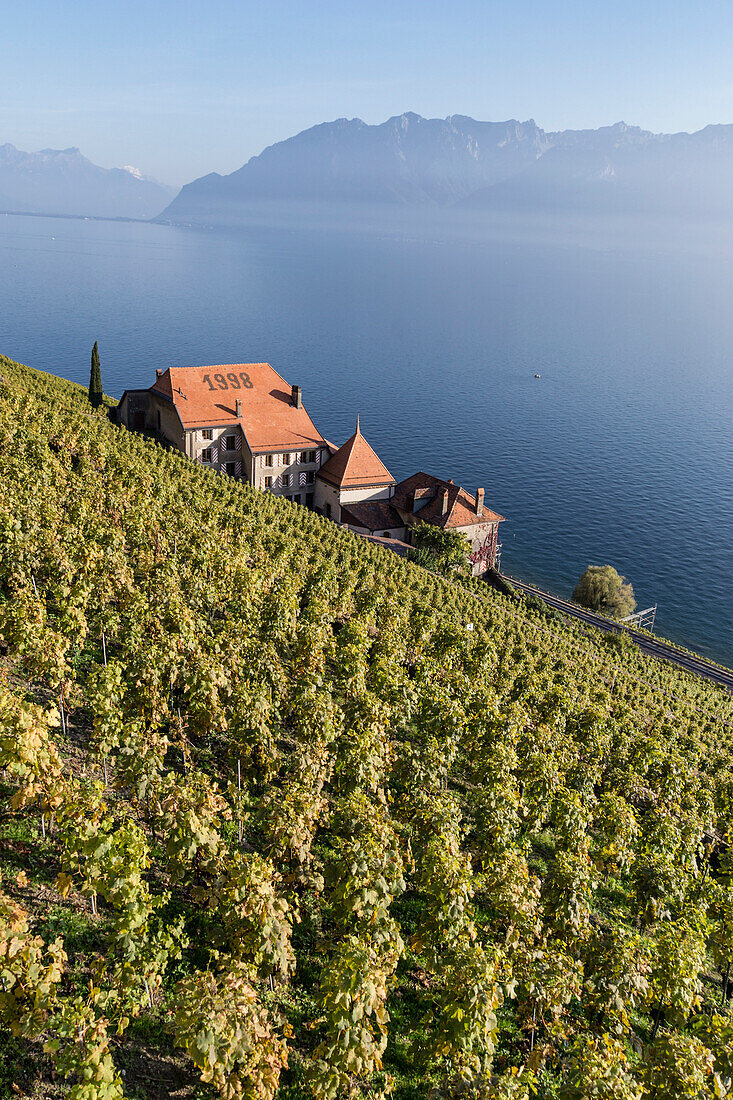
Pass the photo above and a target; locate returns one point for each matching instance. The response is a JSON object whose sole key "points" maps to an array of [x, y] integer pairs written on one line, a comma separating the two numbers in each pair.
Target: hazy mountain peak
{"points": [[73, 152], [64, 181], [407, 118]]}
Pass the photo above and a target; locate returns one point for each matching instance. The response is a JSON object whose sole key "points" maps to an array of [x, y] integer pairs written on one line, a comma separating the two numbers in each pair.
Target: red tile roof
{"points": [[460, 508], [372, 515], [356, 465], [270, 421]]}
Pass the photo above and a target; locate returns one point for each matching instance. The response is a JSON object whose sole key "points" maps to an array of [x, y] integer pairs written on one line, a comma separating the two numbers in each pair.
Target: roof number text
{"points": [[229, 381]]}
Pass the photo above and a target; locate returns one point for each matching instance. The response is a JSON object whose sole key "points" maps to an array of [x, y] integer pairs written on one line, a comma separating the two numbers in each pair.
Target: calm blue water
{"points": [[433, 331]]}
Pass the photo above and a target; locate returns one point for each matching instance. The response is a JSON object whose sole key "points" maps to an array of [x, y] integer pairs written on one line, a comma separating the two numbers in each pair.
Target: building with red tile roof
{"points": [[428, 499], [424, 498], [238, 418]]}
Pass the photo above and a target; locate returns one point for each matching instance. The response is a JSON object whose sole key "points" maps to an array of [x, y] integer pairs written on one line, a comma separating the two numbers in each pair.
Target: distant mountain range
{"points": [[458, 161], [62, 181], [408, 160]]}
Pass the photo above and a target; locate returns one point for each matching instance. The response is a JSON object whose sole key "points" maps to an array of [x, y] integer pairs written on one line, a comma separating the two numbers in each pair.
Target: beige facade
{"points": [[223, 448], [289, 473], [285, 473], [327, 493], [328, 500]]}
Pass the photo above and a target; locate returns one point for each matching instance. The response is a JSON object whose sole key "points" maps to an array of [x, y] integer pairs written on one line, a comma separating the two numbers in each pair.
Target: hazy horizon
{"points": [[178, 92]]}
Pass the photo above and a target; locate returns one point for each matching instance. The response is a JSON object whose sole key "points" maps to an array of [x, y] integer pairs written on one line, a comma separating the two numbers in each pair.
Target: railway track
{"points": [[652, 647]]}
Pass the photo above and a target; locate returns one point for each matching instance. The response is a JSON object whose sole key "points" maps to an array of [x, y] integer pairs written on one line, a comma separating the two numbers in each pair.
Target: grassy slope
{"points": [[176, 523]]}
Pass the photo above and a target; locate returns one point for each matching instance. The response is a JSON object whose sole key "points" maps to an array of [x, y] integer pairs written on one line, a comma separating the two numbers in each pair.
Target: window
{"points": [[328, 510], [269, 460], [268, 482], [310, 456], [296, 500], [207, 433], [231, 468], [310, 477], [286, 458], [230, 443], [309, 500], [206, 455], [158, 419], [286, 481]]}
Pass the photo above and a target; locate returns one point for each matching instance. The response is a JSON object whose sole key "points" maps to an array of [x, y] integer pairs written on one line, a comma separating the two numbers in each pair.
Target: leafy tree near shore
{"points": [[95, 379], [602, 588]]}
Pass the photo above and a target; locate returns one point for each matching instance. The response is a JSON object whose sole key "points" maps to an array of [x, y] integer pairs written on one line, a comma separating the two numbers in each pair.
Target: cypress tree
{"points": [[95, 379]]}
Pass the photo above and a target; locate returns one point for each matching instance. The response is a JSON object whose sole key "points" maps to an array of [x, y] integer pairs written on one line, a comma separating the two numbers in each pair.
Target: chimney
{"points": [[238, 408], [443, 501], [158, 372], [297, 397], [479, 502]]}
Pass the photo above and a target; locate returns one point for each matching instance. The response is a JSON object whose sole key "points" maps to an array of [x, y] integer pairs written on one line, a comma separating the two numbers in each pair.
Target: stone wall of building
{"points": [[327, 500], [483, 538], [217, 447]]}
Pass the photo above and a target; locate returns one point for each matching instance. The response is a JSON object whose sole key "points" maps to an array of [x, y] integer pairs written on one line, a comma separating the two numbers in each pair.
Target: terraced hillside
{"points": [[282, 814]]}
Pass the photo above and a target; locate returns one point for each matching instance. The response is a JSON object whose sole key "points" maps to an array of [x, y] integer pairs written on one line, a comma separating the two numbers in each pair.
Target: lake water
{"points": [[432, 328]]}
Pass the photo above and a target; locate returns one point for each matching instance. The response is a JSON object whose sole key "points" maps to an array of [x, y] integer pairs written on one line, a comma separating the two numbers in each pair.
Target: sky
{"points": [[179, 89]]}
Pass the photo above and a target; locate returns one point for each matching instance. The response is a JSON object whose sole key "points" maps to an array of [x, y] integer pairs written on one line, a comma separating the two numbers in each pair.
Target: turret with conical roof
{"points": [[356, 465]]}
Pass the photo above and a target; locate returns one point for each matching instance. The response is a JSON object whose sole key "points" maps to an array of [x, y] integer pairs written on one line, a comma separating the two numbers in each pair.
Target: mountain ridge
{"points": [[459, 161]]}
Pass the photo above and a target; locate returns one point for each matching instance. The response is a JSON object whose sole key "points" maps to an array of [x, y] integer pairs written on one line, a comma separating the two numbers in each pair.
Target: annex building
{"points": [[356, 489], [245, 420]]}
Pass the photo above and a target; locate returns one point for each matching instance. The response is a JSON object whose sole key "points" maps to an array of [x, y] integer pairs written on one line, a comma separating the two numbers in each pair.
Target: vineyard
{"points": [[283, 815]]}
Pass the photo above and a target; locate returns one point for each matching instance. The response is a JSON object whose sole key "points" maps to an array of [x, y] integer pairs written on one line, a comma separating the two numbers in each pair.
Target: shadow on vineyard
{"points": [[276, 822]]}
